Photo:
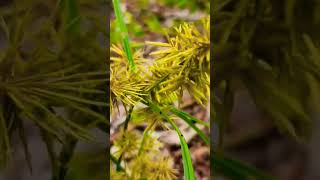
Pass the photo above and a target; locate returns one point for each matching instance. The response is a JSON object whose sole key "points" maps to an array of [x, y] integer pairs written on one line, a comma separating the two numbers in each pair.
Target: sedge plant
{"points": [[148, 90]]}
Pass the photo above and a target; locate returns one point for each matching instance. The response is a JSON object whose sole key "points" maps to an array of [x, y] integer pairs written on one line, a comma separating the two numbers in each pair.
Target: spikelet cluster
{"points": [[179, 65], [146, 115], [183, 63], [126, 86], [151, 165]]}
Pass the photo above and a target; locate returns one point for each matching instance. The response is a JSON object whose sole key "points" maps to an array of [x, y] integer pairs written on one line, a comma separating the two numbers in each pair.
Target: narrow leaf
{"points": [[187, 162], [124, 33], [191, 122]]}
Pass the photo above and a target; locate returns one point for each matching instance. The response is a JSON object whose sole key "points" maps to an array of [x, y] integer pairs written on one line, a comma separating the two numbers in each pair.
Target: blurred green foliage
{"points": [[197, 5], [271, 49], [53, 60], [90, 165], [148, 17]]}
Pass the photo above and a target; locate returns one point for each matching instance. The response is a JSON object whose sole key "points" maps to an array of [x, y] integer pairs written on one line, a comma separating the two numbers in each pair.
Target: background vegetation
{"points": [[53, 75], [270, 50]]}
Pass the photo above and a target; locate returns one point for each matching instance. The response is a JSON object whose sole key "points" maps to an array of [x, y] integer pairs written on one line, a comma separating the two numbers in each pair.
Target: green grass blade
{"points": [[115, 161], [191, 122], [144, 139], [124, 33], [187, 116], [187, 162]]}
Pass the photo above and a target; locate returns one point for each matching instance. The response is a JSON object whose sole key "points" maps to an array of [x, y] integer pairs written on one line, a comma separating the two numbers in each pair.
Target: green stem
{"points": [[126, 122], [114, 160], [125, 128], [124, 33], [191, 122], [144, 139]]}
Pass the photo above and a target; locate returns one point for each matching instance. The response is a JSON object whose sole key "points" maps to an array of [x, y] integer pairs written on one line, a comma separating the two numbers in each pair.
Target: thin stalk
{"points": [[144, 139], [124, 33], [114, 160], [125, 128], [126, 122]]}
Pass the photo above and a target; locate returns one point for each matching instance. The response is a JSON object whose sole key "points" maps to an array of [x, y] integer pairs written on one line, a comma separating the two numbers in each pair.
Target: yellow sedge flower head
{"points": [[184, 62]]}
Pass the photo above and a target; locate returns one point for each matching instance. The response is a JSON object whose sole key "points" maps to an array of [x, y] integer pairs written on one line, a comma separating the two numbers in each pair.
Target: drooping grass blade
{"points": [[186, 158]]}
